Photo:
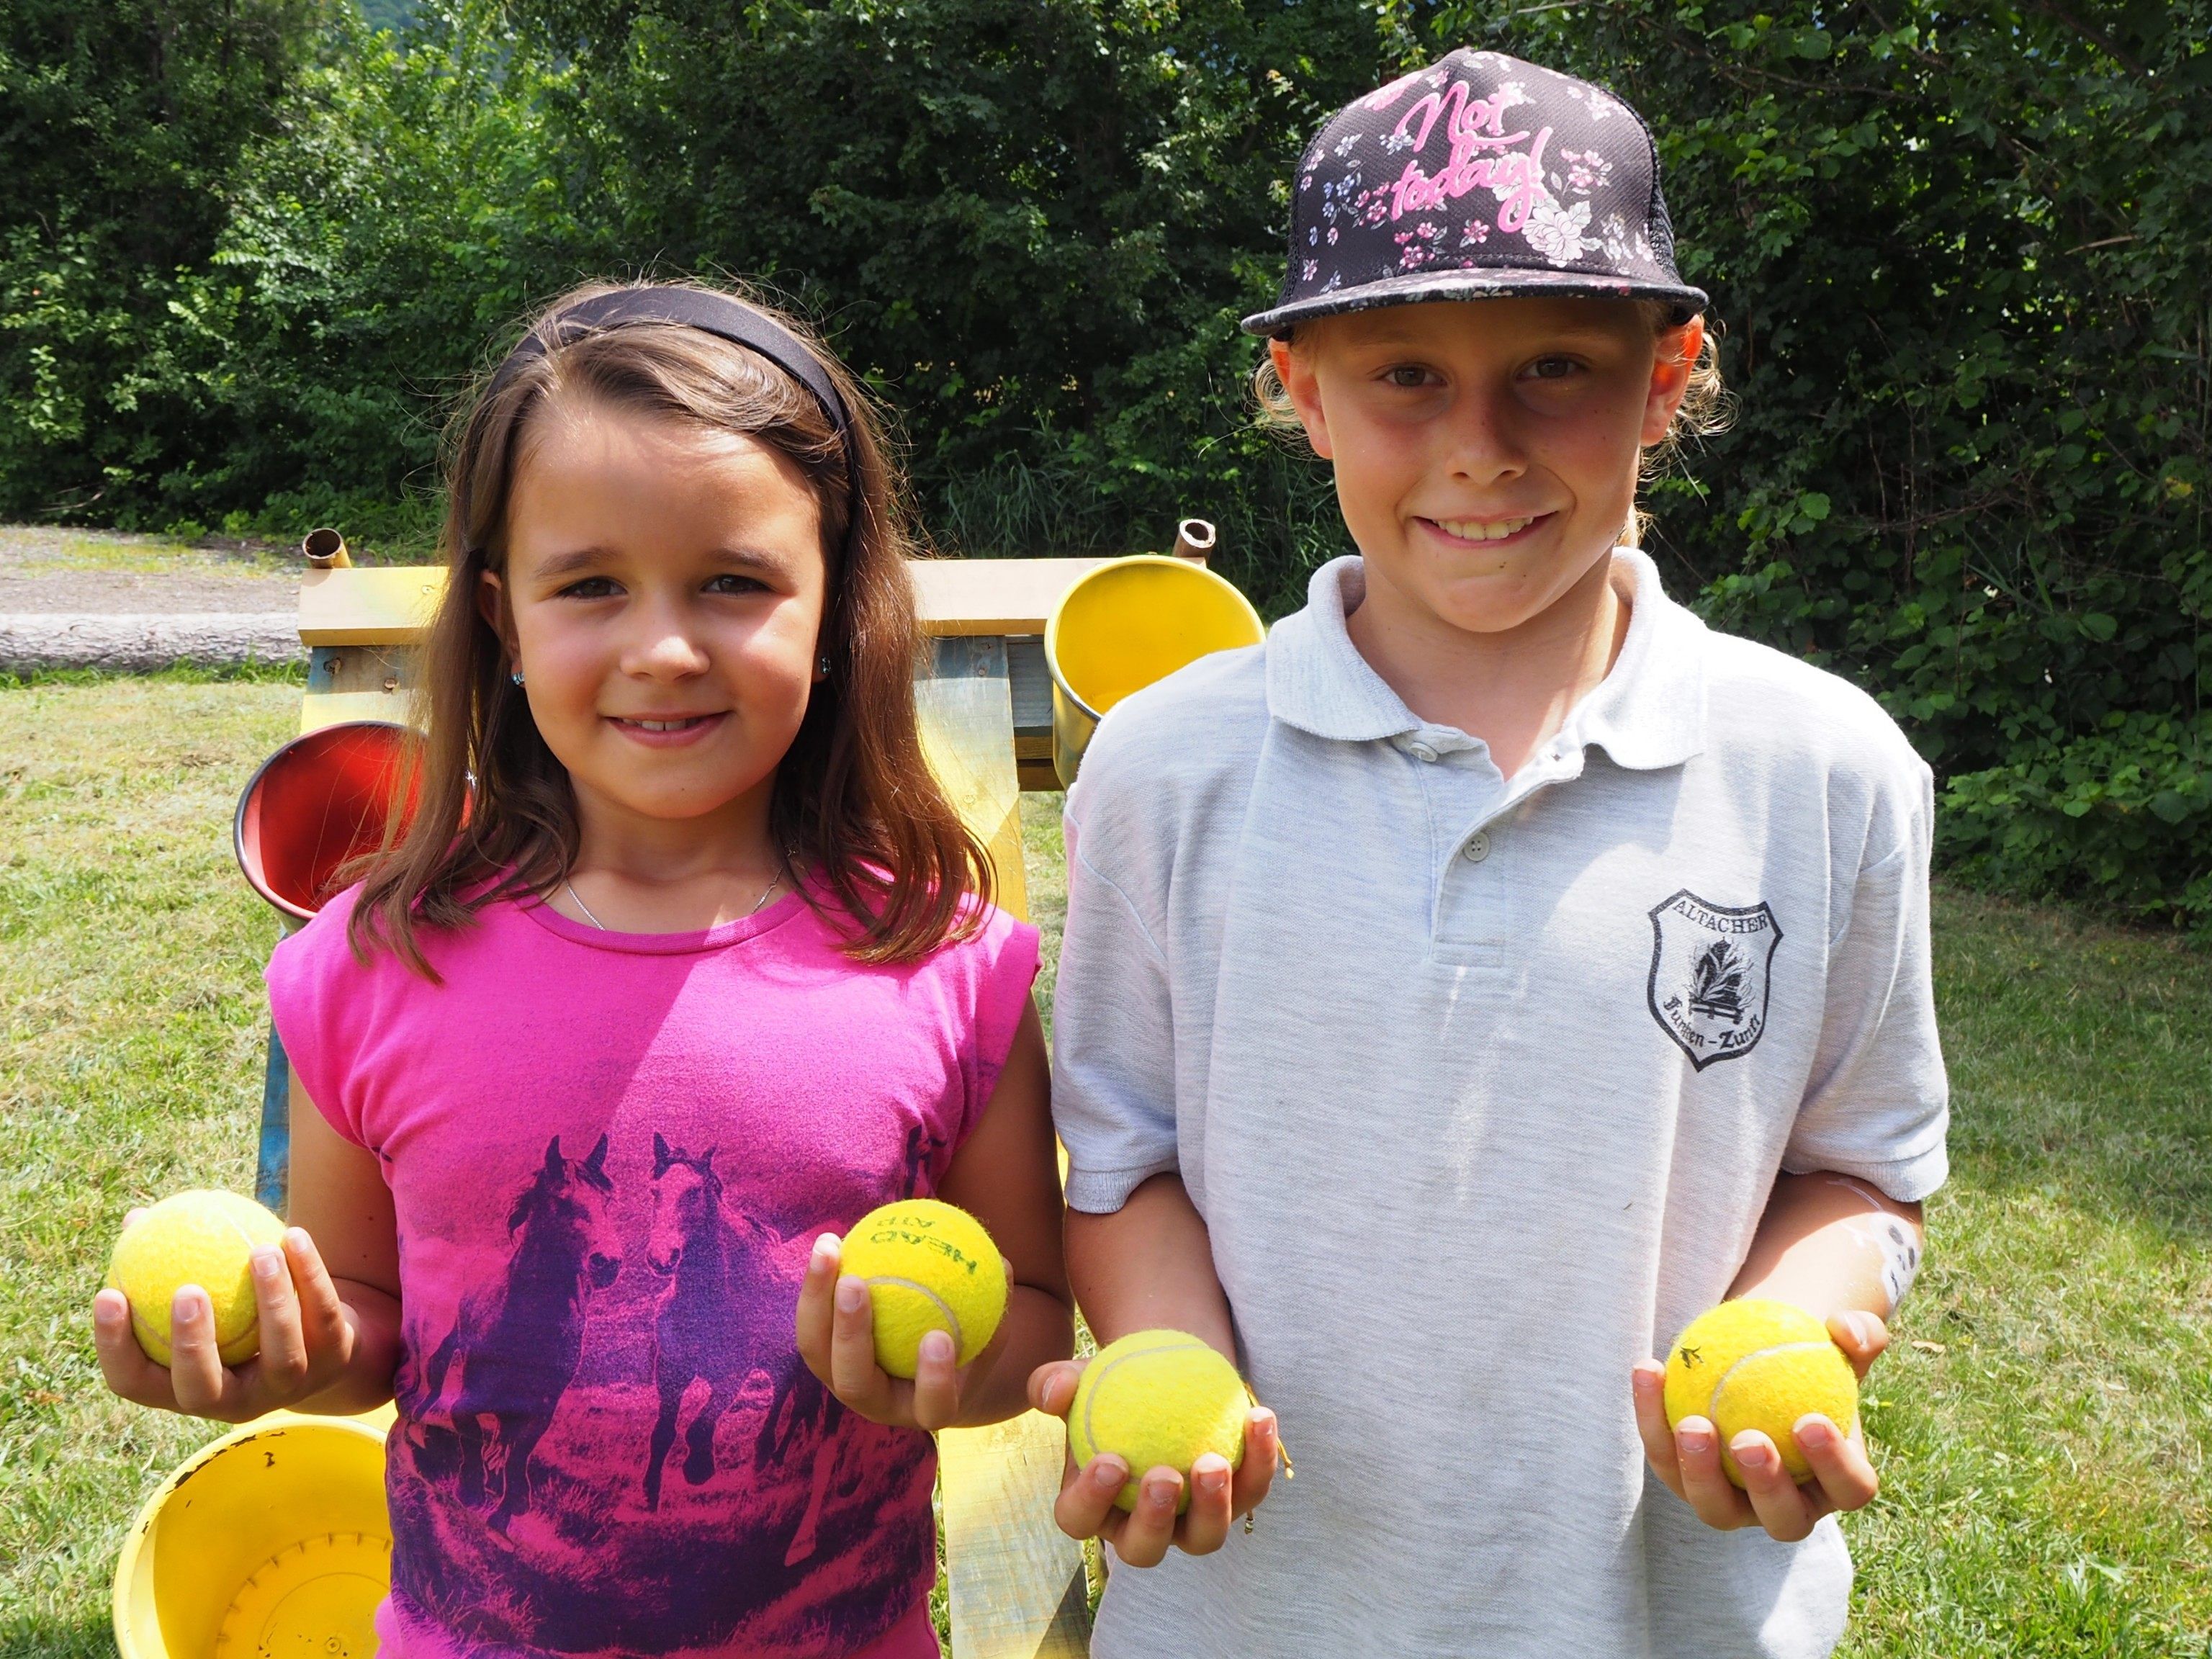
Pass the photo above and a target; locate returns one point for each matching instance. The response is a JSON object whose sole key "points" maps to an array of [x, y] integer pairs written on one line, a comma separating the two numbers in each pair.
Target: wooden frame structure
{"points": [[1016, 1583]]}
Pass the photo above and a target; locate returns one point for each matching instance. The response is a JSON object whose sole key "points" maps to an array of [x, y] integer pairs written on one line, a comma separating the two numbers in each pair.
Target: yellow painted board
{"points": [[392, 605], [320, 708], [967, 740], [991, 596]]}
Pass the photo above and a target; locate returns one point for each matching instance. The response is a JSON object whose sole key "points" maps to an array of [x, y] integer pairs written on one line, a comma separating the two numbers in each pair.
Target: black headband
{"points": [[710, 313]]}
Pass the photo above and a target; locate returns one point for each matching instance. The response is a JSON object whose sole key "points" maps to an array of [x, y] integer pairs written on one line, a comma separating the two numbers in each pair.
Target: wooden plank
{"points": [[1031, 682], [996, 596], [1039, 776], [272, 1161], [358, 683], [392, 605], [967, 738], [992, 596], [1016, 1581], [330, 708], [386, 668]]}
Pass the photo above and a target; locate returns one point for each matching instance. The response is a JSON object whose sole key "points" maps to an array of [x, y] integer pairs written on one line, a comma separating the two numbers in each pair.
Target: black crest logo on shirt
{"points": [[1709, 975]]}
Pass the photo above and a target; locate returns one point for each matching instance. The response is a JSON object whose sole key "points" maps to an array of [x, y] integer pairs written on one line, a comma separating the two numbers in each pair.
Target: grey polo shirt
{"points": [[1481, 1087]]}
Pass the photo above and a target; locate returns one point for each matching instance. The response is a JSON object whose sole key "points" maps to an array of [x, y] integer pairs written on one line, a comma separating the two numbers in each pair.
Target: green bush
{"points": [[1965, 274], [2117, 811], [249, 254], [122, 125]]}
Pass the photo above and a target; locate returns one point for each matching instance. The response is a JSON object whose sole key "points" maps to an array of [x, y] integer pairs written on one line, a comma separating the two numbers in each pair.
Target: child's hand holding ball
{"points": [[213, 1308], [892, 1316], [1166, 1445], [1753, 1420]]}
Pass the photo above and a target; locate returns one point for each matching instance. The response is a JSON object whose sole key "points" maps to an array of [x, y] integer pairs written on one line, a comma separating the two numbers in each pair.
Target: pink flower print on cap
{"points": [[1552, 182]]}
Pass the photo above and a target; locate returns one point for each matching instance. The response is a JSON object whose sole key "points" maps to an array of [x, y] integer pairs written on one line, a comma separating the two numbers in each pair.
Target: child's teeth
{"points": [[1473, 530]]}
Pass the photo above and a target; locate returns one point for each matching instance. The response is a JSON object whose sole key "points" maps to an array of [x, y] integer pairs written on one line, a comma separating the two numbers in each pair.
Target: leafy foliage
{"points": [[1962, 260], [248, 252], [1034, 226], [120, 126]]}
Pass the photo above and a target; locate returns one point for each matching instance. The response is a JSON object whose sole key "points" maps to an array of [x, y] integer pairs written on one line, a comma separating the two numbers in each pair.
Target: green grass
{"points": [[2046, 1419], [401, 532], [2043, 1425], [130, 1034]]}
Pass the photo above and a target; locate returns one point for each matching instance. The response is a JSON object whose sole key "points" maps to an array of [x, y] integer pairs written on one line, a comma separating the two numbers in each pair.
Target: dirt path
{"points": [[82, 599], [104, 572]]}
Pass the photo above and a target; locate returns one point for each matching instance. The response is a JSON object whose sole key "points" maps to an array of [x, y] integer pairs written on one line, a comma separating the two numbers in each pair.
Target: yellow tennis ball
{"points": [[1158, 1398], [203, 1238], [1752, 1363], [929, 1266]]}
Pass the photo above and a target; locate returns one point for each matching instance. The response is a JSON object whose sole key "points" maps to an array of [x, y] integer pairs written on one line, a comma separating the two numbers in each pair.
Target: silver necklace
{"points": [[569, 887]]}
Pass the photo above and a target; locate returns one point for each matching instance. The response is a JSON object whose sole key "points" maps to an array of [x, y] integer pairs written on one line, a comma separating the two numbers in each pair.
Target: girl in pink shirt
{"points": [[683, 965]]}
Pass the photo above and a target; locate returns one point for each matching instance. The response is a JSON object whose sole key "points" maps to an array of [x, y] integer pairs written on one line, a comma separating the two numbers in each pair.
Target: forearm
{"points": [[1149, 1266], [1832, 1244], [1038, 1328], [373, 1317]]}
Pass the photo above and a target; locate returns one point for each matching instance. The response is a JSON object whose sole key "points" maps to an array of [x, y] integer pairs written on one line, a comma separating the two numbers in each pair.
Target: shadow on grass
{"points": [[2080, 1058]]}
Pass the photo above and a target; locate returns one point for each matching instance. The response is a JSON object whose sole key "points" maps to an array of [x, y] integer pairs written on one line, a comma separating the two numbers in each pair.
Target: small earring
{"points": [[824, 663], [515, 675]]}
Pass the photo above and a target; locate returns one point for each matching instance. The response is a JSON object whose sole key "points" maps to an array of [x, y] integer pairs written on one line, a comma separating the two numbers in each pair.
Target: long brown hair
{"points": [[853, 799]]}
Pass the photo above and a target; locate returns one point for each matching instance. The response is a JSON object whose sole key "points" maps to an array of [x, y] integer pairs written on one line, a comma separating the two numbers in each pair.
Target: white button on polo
{"points": [[1477, 848], [1420, 751]]}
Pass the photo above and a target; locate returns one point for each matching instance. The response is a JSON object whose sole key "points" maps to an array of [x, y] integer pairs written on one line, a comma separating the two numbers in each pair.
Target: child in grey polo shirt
{"points": [[1469, 987]]}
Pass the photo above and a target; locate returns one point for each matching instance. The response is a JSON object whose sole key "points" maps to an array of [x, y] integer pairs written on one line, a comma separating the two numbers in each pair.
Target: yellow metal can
{"points": [[1123, 626]]}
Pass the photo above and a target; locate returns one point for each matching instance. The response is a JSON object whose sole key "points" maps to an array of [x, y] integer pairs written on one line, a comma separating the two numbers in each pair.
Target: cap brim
{"points": [[1476, 283]]}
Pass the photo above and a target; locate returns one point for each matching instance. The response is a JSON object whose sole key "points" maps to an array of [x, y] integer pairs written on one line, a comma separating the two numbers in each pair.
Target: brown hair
{"points": [[853, 798], [1707, 405]]}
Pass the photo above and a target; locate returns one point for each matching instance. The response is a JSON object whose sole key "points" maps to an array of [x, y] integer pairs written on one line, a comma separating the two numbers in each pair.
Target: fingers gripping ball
{"points": [[203, 1238], [1758, 1365], [929, 1266], [1157, 1398]]}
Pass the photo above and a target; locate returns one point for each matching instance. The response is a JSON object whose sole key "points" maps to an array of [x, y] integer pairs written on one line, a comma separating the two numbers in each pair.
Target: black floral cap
{"points": [[1479, 177]]}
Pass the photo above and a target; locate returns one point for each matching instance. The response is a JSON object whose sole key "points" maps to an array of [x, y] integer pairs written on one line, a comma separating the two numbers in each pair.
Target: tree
{"points": [[1961, 258], [121, 122]]}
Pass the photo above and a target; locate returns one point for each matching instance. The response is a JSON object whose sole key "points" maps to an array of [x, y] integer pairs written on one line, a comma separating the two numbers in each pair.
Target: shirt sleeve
{"points": [[315, 990], [1878, 1103], [1113, 1041]]}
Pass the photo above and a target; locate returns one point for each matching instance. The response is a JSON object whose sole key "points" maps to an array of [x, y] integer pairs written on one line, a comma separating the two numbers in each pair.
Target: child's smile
{"points": [[1484, 530], [666, 730]]}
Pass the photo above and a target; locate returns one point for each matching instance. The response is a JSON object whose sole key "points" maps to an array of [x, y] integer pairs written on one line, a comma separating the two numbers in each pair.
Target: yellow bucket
{"points": [[1128, 622], [272, 1542]]}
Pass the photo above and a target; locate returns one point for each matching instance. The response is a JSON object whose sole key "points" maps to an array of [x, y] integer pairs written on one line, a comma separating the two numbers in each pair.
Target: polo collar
{"points": [[1317, 681], [1648, 712]]}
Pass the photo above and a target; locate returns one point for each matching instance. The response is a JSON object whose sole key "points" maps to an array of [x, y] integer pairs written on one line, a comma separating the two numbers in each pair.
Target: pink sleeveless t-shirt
{"points": [[609, 1154]]}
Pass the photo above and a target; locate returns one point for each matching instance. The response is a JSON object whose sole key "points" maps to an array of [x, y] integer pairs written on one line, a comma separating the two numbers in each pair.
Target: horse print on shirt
{"points": [[615, 1448], [1708, 986], [518, 1340], [720, 1319]]}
